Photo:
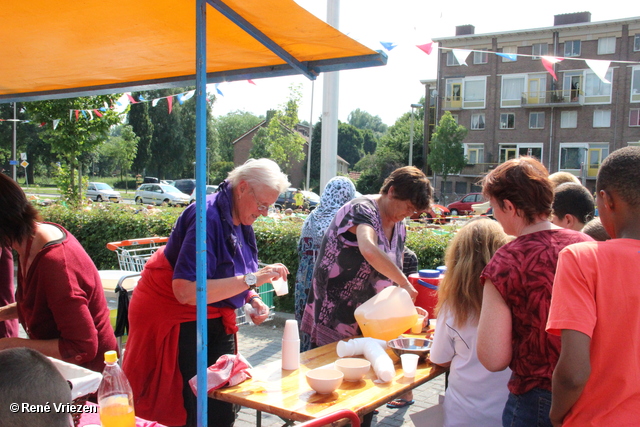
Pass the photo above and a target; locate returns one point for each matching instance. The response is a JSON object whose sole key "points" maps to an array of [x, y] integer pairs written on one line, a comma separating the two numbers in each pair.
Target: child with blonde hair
{"points": [[474, 395]]}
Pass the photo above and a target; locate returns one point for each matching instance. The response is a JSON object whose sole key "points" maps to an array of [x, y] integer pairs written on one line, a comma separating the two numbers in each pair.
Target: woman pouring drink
{"points": [[361, 254]]}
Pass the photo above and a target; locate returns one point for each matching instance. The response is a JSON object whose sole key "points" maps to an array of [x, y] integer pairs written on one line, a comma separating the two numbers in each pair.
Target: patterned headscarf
{"points": [[338, 191]]}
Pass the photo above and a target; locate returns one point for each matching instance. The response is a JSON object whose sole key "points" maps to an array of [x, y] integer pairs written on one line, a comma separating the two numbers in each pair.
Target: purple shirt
{"points": [[231, 249], [8, 328]]}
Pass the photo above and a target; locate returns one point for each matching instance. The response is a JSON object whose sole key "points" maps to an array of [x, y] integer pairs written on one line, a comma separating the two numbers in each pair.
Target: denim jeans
{"points": [[530, 409]]}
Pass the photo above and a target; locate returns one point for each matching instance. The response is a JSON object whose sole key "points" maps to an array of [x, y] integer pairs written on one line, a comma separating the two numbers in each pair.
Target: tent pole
{"points": [[201, 218]]}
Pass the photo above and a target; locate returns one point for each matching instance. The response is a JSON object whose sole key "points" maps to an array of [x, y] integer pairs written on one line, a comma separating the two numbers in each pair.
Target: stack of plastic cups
{"points": [[290, 346]]}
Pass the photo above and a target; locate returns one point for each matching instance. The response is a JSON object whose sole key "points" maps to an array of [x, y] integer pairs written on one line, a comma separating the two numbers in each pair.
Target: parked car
{"points": [[210, 190], [311, 198], [167, 181], [463, 206], [285, 200], [150, 180], [161, 194], [101, 191], [481, 208], [185, 185], [436, 214]]}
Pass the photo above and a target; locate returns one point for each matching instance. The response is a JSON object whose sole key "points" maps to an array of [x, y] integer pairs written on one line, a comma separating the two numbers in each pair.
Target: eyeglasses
{"points": [[261, 207]]}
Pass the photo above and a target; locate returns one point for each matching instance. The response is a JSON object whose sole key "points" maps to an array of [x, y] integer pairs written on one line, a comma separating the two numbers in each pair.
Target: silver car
{"points": [[210, 190], [161, 194], [100, 192]]}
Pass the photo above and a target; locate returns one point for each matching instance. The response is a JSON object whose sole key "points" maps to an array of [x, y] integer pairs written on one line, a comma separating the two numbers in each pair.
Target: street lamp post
{"points": [[411, 134]]}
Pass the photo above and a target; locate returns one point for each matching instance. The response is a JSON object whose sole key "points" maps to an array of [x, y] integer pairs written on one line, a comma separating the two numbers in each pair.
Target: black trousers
{"points": [[220, 413]]}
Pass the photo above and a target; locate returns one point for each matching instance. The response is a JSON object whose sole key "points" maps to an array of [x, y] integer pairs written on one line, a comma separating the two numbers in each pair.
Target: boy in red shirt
{"points": [[594, 308]]}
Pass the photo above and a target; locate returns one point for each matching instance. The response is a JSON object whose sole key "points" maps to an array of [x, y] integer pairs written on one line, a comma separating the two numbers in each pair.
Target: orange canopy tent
{"points": [[66, 48]]}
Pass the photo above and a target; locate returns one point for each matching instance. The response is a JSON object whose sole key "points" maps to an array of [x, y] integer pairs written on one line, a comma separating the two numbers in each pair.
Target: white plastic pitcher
{"points": [[387, 315]]}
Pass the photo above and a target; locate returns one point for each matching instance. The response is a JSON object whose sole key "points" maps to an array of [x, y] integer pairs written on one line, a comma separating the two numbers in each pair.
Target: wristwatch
{"points": [[250, 279]]}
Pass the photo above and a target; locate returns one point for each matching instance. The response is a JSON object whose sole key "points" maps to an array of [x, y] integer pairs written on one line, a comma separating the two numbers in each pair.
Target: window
{"points": [[480, 57], [538, 50], [513, 151], [595, 90], [455, 117], [510, 50], [635, 84], [569, 119], [512, 89], [636, 43], [534, 150], [602, 118], [634, 117], [536, 120], [451, 59], [572, 48], [474, 153], [572, 156], [474, 93], [477, 121], [606, 45], [507, 120]]}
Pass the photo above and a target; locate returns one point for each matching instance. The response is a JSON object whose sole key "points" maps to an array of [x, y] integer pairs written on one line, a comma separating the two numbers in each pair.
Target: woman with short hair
{"points": [[517, 289]]}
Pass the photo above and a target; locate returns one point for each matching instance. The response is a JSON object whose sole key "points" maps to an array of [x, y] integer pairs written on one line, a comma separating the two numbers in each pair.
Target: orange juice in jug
{"points": [[115, 411], [386, 315]]}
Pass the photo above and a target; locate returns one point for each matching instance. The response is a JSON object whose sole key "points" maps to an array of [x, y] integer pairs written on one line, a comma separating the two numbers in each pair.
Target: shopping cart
{"points": [[134, 253]]}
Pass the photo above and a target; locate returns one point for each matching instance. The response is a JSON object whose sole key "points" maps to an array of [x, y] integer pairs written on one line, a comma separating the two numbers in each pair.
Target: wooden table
{"points": [[287, 394]]}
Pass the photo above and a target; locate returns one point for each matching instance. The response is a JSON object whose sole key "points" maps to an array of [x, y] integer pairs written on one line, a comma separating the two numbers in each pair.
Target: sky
{"points": [[388, 91]]}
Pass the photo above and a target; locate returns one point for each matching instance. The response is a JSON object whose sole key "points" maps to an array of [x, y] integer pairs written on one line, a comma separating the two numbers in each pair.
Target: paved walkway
{"points": [[261, 344]]}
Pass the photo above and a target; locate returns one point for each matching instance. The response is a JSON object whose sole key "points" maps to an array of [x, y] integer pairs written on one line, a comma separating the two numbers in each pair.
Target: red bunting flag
{"points": [[42, 124], [252, 82], [98, 113], [170, 101], [548, 62], [426, 48], [77, 113], [131, 100]]}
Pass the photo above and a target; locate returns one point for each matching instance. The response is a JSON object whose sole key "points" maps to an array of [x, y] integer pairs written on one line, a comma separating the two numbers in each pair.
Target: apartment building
{"points": [[513, 106]]}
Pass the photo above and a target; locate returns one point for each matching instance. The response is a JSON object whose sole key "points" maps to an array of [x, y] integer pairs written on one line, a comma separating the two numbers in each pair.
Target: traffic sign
{"points": [[24, 164], [23, 156], [13, 162]]}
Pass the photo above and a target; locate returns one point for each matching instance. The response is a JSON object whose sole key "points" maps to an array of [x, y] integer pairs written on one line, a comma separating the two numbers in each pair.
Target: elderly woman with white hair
{"points": [[161, 349]]}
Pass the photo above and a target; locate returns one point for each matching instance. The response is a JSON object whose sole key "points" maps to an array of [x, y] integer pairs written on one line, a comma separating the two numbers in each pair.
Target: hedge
{"points": [[97, 224]]}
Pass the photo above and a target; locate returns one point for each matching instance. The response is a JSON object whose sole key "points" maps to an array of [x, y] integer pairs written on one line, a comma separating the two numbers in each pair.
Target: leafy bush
{"points": [[94, 225]]}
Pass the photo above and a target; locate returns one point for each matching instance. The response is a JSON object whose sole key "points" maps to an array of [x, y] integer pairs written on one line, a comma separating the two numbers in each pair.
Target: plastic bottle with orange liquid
{"points": [[115, 397]]}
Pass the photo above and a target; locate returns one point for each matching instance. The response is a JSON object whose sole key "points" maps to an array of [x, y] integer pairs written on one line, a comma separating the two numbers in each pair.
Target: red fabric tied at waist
{"points": [[151, 359]]}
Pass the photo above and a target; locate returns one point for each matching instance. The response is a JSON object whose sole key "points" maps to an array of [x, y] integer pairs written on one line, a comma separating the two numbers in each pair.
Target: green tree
{"points": [[363, 120], [142, 126], [446, 152], [279, 140], [370, 141], [350, 143], [230, 127], [120, 149], [82, 124]]}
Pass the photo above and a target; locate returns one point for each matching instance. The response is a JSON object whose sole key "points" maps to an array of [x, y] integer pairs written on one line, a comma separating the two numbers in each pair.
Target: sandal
{"points": [[400, 403]]}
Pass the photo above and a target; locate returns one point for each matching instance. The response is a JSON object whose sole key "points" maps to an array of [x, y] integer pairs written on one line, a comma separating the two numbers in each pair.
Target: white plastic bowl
{"points": [[323, 380], [353, 368]]}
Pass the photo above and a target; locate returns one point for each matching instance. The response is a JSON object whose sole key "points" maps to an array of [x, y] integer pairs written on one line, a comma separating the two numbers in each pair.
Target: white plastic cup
{"points": [[432, 323], [291, 330], [417, 328], [290, 354], [280, 286], [409, 364]]}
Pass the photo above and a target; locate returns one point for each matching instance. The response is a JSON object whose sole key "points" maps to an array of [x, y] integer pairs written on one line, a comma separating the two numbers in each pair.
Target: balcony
{"points": [[452, 103], [477, 169], [553, 98]]}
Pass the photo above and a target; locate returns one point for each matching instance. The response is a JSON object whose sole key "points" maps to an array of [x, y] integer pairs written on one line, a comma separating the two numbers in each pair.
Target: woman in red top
{"points": [[517, 289], [60, 302]]}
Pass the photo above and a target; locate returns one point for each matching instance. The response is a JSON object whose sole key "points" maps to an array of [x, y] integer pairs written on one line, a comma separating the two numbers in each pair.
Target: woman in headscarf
{"points": [[338, 191]]}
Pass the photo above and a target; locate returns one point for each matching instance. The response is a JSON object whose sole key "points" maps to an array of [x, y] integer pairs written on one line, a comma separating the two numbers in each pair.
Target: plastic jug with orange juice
{"points": [[115, 397], [387, 314]]}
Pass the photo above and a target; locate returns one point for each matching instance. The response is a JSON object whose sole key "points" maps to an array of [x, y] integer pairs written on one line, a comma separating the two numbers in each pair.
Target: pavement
{"points": [[261, 344]]}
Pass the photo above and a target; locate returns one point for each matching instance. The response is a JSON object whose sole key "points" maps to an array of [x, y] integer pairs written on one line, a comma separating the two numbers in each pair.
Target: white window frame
{"points": [[569, 145], [517, 147], [471, 104], [606, 45], [636, 43], [636, 122], [506, 116], [537, 114], [590, 78], [478, 149], [541, 48], [602, 118], [510, 50], [452, 61], [635, 84], [455, 117], [571, 46], [477, 123], [569, 119], [516, 99], [481, 57]]}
